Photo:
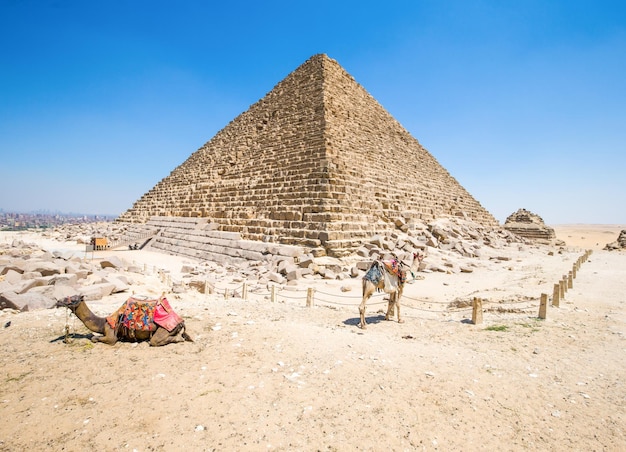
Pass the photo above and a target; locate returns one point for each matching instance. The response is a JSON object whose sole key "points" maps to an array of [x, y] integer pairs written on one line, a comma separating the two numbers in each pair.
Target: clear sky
{"points": [[523, 102]]}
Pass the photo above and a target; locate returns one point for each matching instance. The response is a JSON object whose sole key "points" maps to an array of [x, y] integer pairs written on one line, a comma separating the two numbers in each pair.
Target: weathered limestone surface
{"points": [[317, 162]]}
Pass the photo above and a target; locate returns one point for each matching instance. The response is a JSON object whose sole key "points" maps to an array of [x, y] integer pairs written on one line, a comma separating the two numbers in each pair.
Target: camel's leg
{"points": [[368, 290], [163, 337], [398, 295], [108, 338], [390, 306], [362, 323]]}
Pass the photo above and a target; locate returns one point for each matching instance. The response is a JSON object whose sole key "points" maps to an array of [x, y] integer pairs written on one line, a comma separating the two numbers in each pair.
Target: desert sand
{"points": [[265, 375]]}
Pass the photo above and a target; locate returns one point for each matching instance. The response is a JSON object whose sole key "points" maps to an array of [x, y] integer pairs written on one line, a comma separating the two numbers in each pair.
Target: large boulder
{"points": [[112, 261], [96, 291], [26, 302], [45, 267]]}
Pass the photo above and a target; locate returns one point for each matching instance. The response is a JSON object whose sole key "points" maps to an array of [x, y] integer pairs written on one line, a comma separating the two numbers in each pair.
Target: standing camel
{"points": [[163, 327], [388, 276]]}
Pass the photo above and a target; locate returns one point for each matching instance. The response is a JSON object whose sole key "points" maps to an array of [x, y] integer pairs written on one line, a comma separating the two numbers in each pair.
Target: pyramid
{"points": [[317, 162]]}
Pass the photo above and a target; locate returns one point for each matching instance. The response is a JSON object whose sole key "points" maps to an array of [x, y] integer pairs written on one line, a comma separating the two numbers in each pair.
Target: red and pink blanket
{"points": [[145, 315]]}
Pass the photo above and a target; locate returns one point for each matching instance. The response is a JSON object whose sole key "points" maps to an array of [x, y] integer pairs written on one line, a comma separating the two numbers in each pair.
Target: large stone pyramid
{"points": [[316, 162]]}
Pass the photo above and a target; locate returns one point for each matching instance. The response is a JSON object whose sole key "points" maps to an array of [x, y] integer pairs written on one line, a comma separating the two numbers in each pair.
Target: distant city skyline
{"points": [[16, 221], [521, 102], [53, 212]]}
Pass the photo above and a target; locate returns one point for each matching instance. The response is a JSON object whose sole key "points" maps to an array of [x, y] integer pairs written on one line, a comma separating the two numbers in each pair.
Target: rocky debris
{"points": [[448, 245], [529, 225], [32, 278], [619, 244]]}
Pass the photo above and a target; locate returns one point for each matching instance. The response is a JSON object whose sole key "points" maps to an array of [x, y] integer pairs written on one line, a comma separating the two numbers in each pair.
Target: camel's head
{"points": [[70, 302]]}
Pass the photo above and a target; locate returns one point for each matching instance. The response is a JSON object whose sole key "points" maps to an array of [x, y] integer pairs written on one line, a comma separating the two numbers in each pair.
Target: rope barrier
{"points": [[497, 308], [341, 295], [280, 294]]}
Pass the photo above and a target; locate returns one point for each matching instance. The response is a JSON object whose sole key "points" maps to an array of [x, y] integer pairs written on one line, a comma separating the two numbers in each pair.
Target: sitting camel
{"points": [[136, 320], [389, 277]]}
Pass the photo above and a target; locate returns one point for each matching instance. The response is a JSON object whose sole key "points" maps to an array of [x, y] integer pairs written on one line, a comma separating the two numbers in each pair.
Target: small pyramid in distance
{"points": [[316, 162]]}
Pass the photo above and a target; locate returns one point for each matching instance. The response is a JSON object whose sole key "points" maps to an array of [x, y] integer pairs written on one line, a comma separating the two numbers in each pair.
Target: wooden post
{"points": [[206, 287], [309, 297], [273, 294], [570, 281], [574, 271], [562, 289], [477, 311], [556, 295], [244, 291], [226, 293], [543, 305]]}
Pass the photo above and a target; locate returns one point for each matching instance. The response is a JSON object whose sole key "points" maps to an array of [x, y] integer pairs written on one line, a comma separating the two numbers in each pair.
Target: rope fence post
{"points": [[309, 297], [477, 311], [570, 281], [556, 295], [273, 299], [226, 293], [543, 305], [244, 291]]}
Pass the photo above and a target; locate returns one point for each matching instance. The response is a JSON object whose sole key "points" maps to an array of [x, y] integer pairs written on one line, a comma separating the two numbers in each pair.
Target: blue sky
{"points": [[523, 102]]}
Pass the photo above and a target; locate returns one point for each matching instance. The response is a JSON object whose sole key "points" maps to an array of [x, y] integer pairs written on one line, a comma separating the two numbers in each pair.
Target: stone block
{"points": [[25, 285], [276, 277], [119, 285], [26, 302], [12, 276], [96, 291], [112, 261], [294, 273], [46, 268], [64, 279], [12, 267]]}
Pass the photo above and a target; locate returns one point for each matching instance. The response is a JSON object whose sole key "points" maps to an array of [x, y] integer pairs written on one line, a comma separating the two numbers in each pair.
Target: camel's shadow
{"points": [[63, 337], [371, 320]]}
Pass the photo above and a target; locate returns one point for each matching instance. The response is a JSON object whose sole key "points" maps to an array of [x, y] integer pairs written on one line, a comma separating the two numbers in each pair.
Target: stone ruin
{"points": [[317, 163], [529, 225], [619, 244]]}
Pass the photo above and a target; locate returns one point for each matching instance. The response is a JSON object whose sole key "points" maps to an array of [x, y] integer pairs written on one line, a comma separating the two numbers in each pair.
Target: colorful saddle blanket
{"points": [[145, 315], [393, 267], [374, 274], [377, 272]]}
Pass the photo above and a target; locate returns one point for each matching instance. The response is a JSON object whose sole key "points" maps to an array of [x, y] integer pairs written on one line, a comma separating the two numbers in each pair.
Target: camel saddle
{"points": [[393, 267], [381, 271], [138, 314]]}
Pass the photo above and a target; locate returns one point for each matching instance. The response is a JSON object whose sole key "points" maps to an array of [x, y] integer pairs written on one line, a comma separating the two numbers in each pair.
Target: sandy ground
{"points": [[265, 375], [588, 236]]}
